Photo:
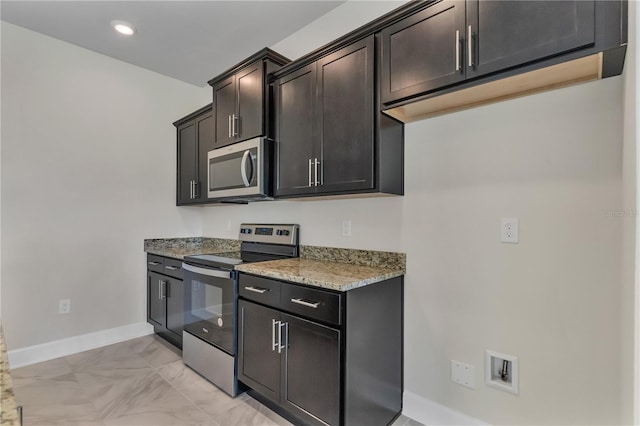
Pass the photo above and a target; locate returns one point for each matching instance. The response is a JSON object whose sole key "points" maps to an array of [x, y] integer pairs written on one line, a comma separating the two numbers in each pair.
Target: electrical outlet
{"points": [[462, 374], [509, 230], [65, 306], [346, 228]]}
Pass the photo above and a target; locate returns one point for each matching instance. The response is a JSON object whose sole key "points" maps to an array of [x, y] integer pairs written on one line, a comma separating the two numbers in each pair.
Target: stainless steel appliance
{"points": [[209, 343], [240, 172]]}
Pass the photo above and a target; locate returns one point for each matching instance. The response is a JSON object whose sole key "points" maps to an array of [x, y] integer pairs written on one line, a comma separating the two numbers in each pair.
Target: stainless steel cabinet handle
{"points": [[160, 291], [257, 290], [281, 325], [274, 345], [457, 50], [164, 289], [195, 189], [316, 163], [229, 126], [309, 171], [171, 268], [234, 121], [303, 302], [470, 45], [153, 263]]}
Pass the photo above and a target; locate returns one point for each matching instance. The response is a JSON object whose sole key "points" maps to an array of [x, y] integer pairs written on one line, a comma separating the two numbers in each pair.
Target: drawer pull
{"points": [[308, 304], [171, 268], [257, 289], [153, 263]]}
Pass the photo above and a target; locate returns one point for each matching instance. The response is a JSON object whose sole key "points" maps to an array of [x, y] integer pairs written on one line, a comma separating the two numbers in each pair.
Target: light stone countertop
{"points": [[338, 269], [178, 248], [8, 409], [321, 273]]}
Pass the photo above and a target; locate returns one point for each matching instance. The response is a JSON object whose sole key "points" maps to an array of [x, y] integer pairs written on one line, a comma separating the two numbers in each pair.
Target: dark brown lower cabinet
{"points": [[322, 357], [165, 298]]}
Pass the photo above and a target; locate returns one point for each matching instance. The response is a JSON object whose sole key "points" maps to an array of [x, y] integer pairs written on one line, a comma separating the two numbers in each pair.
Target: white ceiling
{"points": [[192, 41]]}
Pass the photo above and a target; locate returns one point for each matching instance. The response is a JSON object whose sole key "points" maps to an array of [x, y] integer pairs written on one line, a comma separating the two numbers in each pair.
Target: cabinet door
{"points": [[346, 112], [258, 362], [311, 379], [156, 312], [205, 144], [174, 296], [187, 162], [295, 133], [250, 102], [224, 107], [424, 51], [510, 33]]}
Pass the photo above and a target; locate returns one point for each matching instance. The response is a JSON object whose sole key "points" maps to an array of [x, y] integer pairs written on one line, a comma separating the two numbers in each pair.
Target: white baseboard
{"points": [[431, 413], [59, 348]]}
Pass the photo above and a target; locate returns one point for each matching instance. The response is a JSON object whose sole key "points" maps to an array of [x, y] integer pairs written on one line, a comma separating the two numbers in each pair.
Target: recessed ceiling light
{"points": [[123, 27]]}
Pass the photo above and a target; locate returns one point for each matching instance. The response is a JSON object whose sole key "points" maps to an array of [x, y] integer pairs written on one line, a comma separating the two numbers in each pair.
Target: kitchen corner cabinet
{"points": [[322, 357], [165, 298], [326, 128], [241, 99], [194, 140], [450, 42]]}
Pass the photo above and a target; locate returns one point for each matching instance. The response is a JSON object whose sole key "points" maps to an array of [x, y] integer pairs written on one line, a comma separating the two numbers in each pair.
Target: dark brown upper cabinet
{"points": [[453, 40], [241, 99], [450, 45], [194, 140], [326, 128]]}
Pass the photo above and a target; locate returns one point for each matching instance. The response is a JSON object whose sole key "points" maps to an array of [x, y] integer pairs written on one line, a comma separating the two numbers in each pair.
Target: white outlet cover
{"points": [[463, 374], [509, 230], [346, 228]]}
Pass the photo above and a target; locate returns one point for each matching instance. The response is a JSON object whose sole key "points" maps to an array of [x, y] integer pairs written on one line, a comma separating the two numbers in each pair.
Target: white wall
{"points": [[630, 327], [555, 300], [88, 172]]}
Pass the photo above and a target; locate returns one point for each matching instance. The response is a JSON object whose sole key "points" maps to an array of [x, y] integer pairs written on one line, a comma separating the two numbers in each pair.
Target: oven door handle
{"points": [[206, 271]]}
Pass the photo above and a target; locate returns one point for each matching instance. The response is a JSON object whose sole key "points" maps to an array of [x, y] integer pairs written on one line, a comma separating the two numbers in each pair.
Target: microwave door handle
{"points": [[243, 168]]}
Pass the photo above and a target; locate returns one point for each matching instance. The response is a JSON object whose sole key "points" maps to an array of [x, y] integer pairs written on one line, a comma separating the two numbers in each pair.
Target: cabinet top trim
{"points": [[193, 115], [355, 35], [263, 54]]}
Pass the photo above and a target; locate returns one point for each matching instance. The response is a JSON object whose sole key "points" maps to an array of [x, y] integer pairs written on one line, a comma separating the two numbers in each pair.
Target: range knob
{"points": [[245, 230]]}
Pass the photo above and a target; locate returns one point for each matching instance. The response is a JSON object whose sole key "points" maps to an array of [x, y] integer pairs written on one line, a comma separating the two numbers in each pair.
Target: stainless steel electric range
{"points": [[211, 298]]}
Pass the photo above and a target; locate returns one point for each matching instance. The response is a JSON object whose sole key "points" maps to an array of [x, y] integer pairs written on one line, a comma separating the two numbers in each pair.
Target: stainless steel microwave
{"points": [[240, 172]]}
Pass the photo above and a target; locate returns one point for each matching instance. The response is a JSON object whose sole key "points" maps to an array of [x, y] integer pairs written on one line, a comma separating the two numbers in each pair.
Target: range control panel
{"points": [[270, 233]]}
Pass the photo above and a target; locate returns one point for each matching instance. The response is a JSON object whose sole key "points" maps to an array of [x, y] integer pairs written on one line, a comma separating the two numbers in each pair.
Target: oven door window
{"points": [[209, 310]]}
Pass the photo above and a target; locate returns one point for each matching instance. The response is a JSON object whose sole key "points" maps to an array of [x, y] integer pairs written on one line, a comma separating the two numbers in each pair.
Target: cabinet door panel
{"points": [[250, 102], [295, 97], [224, 107], [175, 306], [421, 52], [509, 33], [205, 144], [346, 88], [311, 382], [155, 305], [258, 363], [187, 161]]}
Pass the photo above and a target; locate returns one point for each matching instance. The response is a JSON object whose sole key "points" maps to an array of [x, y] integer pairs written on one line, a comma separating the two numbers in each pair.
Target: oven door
{"points": [[237, 170], [209, 302]]}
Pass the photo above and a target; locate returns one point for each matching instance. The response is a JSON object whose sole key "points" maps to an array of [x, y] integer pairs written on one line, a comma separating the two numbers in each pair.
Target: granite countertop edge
{"points": [[8, 407], [362, 281]]}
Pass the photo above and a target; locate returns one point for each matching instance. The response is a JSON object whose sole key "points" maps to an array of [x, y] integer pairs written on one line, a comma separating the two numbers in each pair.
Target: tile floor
{"points": [[138, 382]]}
